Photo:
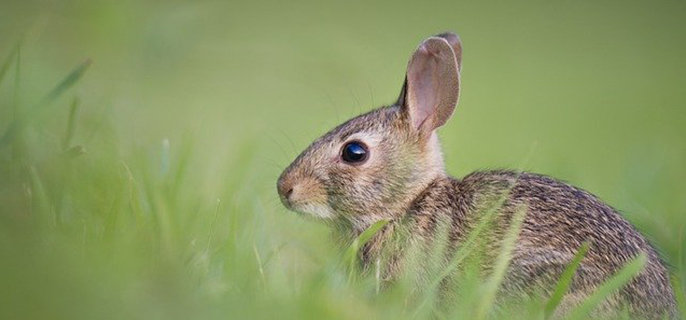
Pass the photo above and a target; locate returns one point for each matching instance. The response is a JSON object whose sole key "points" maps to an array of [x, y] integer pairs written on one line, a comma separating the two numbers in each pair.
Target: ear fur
{"points": [[432, 83], [456, 44]]}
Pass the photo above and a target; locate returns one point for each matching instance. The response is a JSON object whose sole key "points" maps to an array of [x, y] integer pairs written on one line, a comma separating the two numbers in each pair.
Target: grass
{"points": [[611, 285], [565, 281], [142, 185]]}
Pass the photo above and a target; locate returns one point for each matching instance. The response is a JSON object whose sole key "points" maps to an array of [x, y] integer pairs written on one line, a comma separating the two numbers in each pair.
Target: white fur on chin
{"points": [[317, 210]]}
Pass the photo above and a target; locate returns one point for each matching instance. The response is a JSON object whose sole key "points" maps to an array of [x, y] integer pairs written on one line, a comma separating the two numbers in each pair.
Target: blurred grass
{"points": [[153, 196]]}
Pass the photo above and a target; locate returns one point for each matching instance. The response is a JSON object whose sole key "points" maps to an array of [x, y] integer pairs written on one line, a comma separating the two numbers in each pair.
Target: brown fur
{"points": [[404, 181]]}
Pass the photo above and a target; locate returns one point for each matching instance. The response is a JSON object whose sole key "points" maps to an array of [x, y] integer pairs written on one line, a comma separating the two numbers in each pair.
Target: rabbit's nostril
{"points": [[285, 194], [285, 189]]}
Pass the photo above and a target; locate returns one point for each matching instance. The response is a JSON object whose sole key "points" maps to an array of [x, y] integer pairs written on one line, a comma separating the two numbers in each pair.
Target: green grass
{"points": [[565, 281], [611, 285], [142, 185]]}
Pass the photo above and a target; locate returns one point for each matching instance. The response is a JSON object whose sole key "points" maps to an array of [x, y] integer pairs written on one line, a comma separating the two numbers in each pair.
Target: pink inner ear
{"points": [[432, 85], [422, 86]]}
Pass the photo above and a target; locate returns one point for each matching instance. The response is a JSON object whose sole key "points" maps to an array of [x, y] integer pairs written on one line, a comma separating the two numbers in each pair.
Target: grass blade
{"points": [[65, 84], [628, 272], [351, 253], [565, 280], [71, 124], [40, 205], [501, 263], [468, 245], [364, 237], [466, 248], [8, 61]]}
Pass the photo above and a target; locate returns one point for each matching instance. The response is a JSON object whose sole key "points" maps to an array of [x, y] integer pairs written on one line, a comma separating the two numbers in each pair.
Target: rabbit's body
{"points": [[387, 164], [558, 219]]}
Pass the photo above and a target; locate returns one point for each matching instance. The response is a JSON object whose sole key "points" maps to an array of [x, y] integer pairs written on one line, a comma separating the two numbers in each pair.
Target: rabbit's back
{"points": [[559, 219]]}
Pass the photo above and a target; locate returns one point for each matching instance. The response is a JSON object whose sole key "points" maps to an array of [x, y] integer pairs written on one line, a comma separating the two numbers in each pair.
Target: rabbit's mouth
{"points": [[307, 208]]}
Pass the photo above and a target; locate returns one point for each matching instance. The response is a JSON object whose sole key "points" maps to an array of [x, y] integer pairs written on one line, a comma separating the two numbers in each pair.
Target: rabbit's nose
{"points": [[285, 189], [289, 192]]}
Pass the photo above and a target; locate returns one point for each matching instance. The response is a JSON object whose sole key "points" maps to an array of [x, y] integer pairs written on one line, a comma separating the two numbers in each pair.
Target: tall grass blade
{"points": [[134, 200], [259, 265], [501, 263], [565, 280], [468, 245], [65, 84], [364, 237], [210, 234], [71, 124], [624, 275], [55, 93]]}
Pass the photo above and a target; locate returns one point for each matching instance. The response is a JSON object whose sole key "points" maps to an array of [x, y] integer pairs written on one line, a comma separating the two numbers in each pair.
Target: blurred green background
{"points": [[162, 202]]}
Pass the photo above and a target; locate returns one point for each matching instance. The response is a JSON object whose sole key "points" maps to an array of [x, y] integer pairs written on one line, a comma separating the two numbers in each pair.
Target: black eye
{"points": [[354, 152]]}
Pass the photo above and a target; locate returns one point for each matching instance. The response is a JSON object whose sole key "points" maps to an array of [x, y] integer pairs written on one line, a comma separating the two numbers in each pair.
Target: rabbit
{"points": [[387, 165]]}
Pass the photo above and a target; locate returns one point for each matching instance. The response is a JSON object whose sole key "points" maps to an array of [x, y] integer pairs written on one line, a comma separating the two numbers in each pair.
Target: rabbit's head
{"points": [[373, 166]]}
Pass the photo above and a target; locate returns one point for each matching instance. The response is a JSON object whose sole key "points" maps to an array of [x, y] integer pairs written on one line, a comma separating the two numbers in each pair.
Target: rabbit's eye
{"points": [[354, 152]]}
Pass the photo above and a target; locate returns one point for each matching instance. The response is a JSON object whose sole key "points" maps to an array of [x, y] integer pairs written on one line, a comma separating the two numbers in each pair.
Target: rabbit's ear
{"points": [[432, 84], [456, 44]]}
